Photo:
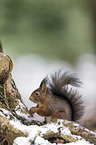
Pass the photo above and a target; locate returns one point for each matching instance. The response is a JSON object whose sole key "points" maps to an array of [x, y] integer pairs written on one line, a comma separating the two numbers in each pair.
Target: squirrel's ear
{"points": [[44, 88]]}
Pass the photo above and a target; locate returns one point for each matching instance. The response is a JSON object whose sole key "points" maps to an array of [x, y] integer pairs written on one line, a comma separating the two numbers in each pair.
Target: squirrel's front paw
{"points": [[33, 110]]}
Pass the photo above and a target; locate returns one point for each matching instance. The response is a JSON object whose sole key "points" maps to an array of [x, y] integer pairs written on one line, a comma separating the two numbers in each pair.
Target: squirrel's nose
{"points": [[30, 98]]}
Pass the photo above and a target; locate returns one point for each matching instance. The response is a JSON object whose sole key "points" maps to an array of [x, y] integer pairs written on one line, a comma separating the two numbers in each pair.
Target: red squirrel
{"points": [[56, 100]]}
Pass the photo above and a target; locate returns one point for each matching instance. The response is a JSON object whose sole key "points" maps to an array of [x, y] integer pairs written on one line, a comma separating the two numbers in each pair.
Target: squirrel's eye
{"points": [[37, 94]]}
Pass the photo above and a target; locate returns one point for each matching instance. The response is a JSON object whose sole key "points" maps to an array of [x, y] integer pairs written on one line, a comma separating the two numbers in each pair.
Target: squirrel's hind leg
{"points": [[47, 119], [61, 114]]}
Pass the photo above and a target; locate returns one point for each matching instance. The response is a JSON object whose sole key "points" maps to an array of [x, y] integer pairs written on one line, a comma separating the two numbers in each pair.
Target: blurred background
{"points": [[44, 36]]}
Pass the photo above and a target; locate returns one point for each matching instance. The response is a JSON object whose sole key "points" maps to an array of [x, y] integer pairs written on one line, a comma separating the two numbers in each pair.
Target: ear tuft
{"points": [[44, 88]]}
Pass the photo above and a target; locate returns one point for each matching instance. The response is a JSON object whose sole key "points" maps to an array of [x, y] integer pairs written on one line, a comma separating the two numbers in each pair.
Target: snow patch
{"points": [[35, 133]]}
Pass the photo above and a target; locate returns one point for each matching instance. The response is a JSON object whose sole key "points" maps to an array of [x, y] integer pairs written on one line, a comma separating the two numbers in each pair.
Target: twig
{"points": [[1, 50]]}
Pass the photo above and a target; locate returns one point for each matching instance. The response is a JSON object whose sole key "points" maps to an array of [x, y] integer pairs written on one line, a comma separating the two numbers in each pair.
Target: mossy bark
{"points": [[12, 108], [81, 131], [10, 100], [7, 132]]}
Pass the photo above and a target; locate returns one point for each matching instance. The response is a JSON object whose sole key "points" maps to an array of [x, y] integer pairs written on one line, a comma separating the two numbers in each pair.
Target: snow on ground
{"points": [[37, 132], [4, 113]]}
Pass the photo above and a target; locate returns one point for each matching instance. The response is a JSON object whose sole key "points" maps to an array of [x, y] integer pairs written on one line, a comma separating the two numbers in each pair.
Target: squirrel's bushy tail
{"points": [[59, 86]]}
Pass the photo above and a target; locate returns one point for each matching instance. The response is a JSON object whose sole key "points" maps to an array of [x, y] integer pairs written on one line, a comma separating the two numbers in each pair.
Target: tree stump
{"points": [[17, 127]]}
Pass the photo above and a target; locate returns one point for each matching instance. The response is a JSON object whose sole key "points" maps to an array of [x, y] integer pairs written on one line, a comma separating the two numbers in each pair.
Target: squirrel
{"points": [[56, 100]]}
